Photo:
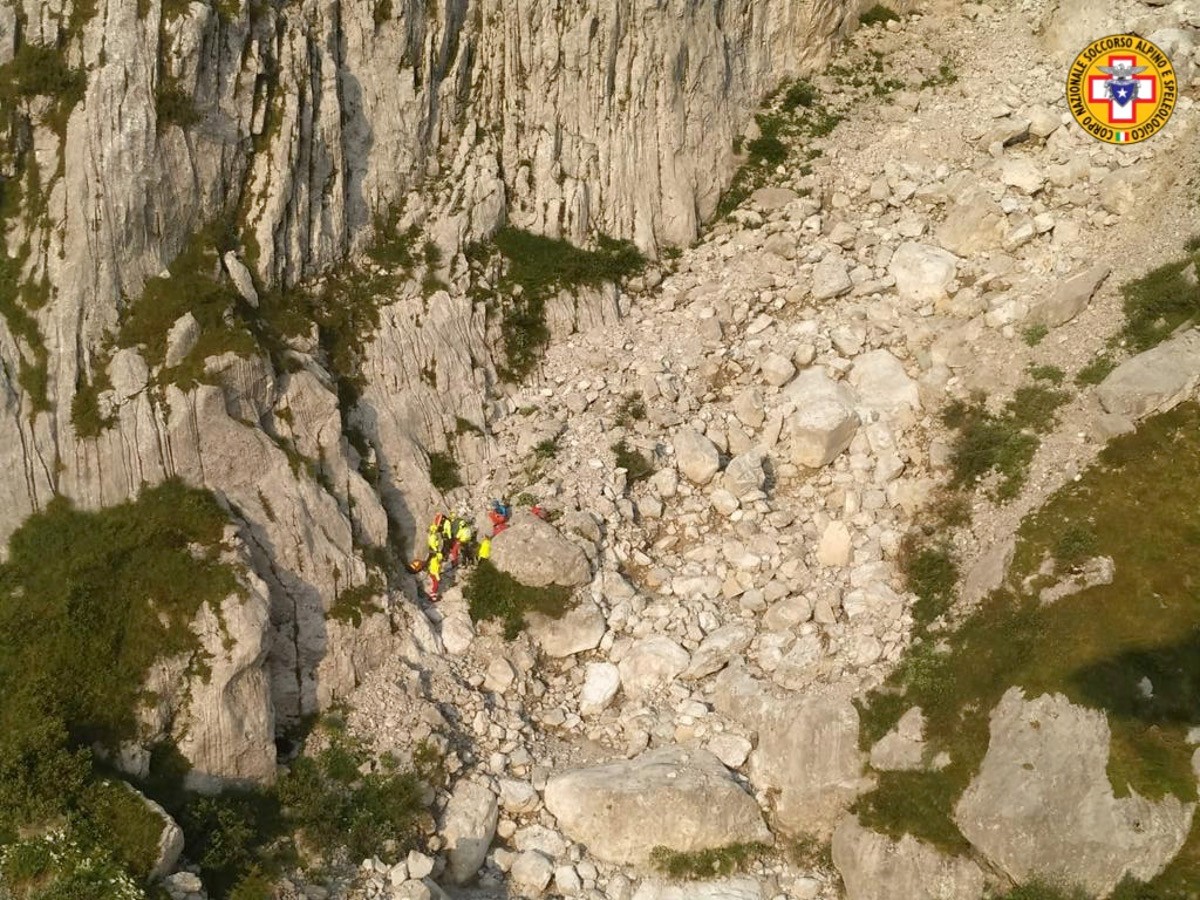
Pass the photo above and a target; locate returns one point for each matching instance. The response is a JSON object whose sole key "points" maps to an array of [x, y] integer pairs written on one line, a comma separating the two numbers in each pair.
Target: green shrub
{"points": [[945, 76], [353, 602], [174, 106], [632, 409], [1095, 371], [54, 865], [492, 594], [637, 467], [1053, 374], [1158, 303], [227, 835], [799, 93], [1034, 407], [878, 15], [113, 816], [1077, 543], [328, 800], [1003, 443], [716, 862], [767, 150], [1035, 334], [547, 449], [443, 471], [85, 406]]}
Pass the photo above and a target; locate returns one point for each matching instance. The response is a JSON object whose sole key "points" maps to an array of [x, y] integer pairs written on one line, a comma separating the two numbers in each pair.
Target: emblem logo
{"points": [[1121, 89]]}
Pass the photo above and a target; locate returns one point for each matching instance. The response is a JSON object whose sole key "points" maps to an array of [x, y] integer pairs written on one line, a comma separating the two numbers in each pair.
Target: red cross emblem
{"points": [[1122, 93]]}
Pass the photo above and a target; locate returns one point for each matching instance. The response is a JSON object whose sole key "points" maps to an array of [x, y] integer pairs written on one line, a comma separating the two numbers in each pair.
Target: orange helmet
{"points": [[416, 565]]}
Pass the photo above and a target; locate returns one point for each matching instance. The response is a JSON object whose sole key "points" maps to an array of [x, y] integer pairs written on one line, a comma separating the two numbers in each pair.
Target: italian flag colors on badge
{"points": [[1121, 137]]}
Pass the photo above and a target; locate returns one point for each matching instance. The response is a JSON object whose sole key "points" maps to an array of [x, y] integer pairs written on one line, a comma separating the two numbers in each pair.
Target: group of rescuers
{"points": [[452, 542]]}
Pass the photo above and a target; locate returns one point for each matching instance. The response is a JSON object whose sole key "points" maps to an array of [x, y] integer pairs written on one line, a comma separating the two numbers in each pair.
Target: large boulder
{"points": [[807, 753], [1156, 380], [923, 274], [685, 800], [468, 828], [533, 551], [824, 421], [696, 456], [1042, 804], [1069, 298], [875, 867]]}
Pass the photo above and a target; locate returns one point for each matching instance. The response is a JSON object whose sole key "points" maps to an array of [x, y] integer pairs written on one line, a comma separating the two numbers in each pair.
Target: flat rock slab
{"points": [[1042, 804], [1154, 381], [740, 888], [875, 867], [685, 800]]}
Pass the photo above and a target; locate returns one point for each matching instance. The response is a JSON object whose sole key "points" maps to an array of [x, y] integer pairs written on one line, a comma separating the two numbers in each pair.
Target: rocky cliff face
{"points": [[300, 126]]}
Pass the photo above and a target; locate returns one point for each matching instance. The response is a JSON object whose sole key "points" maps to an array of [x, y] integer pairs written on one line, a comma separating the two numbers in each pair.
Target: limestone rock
{"points": [[651, 663], [533, 551], [1069, 298], [836, 547], [241, 278], [181, 339], [974, 224], [807, 749], [876, 867], [578, 630], [989, 570], [468, 828], [824, 421], [1154, 381], [772, 198], [696, 456], [1042, 804], [745, 474], [777, 369], [718, 648], [882, 384], [531, 872], [923, 274], [681, 799], [1122, 189], [170, 839], [741, 887], [902, 748], [600, 685], [830, 278]]}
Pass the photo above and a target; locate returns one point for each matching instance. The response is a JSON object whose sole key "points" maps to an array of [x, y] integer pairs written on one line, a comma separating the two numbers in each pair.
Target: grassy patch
{"points": [[1003, 443], [443, 471], [792, 114], [493, 594], [931, 573], [636, 465], [536, 267], [1052, 374], [717, 862], [944, 77], [878, 15], [1159, 302], [1035, 334], [1140, 504], [174, 106], [38, 70], [119, 585], [547, 449], [353, 602], [1095, 371], [1045, 890]]}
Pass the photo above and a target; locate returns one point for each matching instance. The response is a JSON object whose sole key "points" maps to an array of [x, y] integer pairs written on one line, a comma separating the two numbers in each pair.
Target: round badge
{"points": [[1121, 89]]}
